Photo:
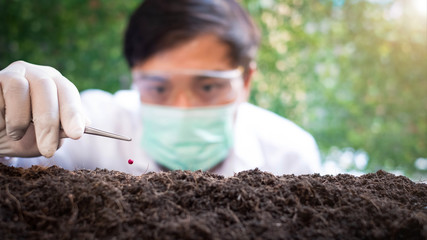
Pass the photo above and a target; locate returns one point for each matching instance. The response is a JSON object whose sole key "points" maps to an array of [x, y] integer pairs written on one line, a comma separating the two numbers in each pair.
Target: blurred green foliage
{"points": [[353, 73], [80, 38]]}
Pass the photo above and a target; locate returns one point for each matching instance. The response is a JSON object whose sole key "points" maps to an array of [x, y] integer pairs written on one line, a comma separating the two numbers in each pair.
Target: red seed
{"points": [[130, 161]]}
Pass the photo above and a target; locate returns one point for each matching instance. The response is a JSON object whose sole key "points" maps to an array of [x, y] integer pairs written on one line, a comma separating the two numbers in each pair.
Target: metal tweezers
{"points": [[97, 132]]}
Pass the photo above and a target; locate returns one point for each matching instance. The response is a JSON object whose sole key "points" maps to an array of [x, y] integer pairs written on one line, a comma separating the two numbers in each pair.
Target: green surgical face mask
{"points": [[187, 139]]}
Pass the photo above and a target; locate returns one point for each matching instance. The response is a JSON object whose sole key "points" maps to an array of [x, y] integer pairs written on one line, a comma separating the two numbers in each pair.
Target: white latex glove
{"points": [[40, 94]]}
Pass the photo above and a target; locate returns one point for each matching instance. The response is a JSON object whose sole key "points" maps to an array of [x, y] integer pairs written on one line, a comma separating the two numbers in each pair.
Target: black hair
{"points": [[158, 25]]}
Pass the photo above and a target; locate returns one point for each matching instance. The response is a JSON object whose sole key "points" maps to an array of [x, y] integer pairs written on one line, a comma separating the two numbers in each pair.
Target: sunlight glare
{"points": [[420, 6]]}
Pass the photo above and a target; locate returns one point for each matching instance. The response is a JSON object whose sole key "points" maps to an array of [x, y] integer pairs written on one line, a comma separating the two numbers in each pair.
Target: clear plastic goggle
{"points": [[199, 87]]}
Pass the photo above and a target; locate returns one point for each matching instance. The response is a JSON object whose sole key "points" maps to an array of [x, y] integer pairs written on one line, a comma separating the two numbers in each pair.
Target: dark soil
{"points": [[40, 203]]}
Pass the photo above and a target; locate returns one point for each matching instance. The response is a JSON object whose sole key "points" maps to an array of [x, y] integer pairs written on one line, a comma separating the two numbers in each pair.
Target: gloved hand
{"points": [[35, 101]]}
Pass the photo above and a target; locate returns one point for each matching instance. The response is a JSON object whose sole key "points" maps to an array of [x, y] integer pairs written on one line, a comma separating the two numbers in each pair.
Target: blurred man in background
{"points": [[192, 63]]}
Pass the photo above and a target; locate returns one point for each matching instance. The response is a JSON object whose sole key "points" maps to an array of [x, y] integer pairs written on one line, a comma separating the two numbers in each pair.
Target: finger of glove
{"points": [[70, 108], [17, 103], [44, 102], [24, 147]]}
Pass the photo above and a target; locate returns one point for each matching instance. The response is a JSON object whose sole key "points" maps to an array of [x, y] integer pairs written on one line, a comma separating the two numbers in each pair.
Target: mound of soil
{"points": [[40, 203]]}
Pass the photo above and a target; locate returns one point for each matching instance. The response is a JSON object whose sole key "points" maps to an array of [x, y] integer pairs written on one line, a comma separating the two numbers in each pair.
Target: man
{"points": [[192, 62]]}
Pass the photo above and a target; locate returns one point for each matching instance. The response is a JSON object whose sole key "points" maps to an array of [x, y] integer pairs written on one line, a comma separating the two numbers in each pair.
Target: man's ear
{"points": [[247, 79]]}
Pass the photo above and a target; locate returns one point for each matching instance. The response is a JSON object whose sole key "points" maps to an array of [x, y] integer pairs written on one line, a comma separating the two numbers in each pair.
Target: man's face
{"points": [[184, 76]]}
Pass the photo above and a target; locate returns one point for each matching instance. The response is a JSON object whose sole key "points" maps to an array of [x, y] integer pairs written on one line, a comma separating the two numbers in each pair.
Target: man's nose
{"points": [[182, 100]]}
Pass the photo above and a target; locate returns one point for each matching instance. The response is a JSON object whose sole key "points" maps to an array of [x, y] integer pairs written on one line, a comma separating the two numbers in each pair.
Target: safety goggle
{"points": [[199, 87]]}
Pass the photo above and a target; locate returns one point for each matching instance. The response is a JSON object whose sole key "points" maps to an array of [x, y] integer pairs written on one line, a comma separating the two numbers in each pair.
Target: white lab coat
{"points": [[263, 140]]}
